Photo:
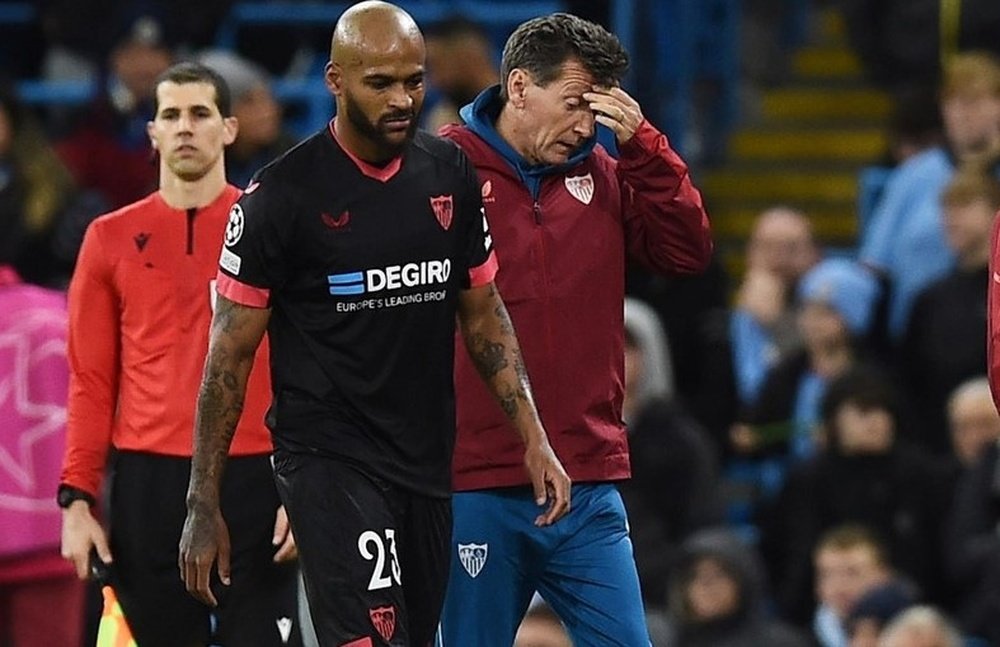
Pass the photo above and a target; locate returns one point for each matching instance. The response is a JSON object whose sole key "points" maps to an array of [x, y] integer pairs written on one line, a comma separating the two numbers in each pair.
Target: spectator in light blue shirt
{"points": [[906, 240]]}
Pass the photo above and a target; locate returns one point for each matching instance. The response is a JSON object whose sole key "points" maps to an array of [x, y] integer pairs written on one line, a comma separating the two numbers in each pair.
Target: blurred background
{"points": [[814, 438]]}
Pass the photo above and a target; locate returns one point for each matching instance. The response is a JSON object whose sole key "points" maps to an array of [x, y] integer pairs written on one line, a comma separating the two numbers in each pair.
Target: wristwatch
{"points": [[67, 494]]}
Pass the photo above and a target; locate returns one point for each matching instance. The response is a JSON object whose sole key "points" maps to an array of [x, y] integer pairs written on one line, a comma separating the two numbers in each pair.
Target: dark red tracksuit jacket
{"points": [[993, 315], [561, 238]]}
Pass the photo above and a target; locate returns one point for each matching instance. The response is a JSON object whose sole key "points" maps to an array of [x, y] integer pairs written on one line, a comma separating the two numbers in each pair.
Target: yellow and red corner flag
{"points": [[113, 630]]}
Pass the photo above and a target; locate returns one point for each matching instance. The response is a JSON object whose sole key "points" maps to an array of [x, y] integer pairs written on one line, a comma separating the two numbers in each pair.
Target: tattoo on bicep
{"points": [[229, 315]]}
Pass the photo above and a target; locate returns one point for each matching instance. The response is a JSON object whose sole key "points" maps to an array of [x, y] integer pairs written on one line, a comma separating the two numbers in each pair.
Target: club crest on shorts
{"points": [[473, 557], [581, 187], [443, 210], [384, 621]]}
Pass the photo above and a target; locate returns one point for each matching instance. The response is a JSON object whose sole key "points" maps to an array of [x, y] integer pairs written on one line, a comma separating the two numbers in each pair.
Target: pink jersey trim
{"points": [[241, 293], [360, 642], [485, 273], [381, 174]]}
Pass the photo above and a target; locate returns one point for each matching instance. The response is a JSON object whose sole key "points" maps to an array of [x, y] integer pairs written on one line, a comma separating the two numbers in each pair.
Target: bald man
{"points": [[357, 250], [972, 420], [780, 251]]}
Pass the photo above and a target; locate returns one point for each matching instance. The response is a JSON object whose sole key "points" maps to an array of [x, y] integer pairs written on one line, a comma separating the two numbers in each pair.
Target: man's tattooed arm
{"points": [[492, 345], [235, 334]]}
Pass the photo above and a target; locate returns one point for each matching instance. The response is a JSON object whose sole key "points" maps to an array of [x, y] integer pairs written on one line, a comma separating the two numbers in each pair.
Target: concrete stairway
{"points": [[804, 148]]}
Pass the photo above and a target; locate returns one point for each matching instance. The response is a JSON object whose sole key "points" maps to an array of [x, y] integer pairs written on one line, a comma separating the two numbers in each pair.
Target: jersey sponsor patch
{"points": [[580, 187], [473, 557], [234, 228], [384, 621], [392, 277], [230, 262], [444, 210]]}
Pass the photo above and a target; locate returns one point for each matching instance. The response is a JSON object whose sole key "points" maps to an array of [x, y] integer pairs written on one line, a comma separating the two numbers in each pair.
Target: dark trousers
{"points": [[147, 514]]}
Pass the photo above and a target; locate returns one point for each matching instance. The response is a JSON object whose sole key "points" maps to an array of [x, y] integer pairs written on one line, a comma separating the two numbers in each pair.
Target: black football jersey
{"points": [[362, 268]]}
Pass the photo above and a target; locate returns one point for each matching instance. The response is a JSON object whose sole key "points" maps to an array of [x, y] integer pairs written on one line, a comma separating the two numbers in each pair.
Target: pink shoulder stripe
{"points": [[241, 293], [485, 273]]}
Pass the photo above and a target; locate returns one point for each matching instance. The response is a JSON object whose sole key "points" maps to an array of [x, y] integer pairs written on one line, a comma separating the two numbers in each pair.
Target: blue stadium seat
{"points": [[312, 96], [17, 13], [55, 93], [694, 40], [493, 15]]}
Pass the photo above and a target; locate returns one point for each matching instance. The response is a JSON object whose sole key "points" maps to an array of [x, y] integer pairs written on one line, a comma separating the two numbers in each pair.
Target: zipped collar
{"points": [[481, 115]]}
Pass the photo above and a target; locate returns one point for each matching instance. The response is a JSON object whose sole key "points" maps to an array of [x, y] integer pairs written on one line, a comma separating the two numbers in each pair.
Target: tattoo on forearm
{"points": [[489, 355], [494, 351], [508, 402], [220, 403]]}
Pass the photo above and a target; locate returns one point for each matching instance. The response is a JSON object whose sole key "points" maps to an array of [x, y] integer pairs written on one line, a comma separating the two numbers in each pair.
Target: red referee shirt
{"points": [[140, 305]]}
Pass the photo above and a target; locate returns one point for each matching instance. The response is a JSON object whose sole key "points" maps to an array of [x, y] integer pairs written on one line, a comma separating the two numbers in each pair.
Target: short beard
{"points": [[374, 132]]}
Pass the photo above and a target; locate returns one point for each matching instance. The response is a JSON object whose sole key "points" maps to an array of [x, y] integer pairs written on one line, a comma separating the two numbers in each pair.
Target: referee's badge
{"points": [[581, 187], [473, 557], [443, 210]]}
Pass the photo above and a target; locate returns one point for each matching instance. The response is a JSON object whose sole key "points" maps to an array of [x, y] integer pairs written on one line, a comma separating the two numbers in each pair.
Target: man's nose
{"points": [[184, 122], [585, 124], [400, 99]]}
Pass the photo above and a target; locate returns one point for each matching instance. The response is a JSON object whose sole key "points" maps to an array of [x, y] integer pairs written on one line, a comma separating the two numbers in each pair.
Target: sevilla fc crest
{"points": [[443, 210], [473, 557], [384, 621], [581, 187]]}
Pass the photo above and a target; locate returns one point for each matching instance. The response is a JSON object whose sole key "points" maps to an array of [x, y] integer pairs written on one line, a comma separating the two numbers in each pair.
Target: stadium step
{"points": [[804, 147], [809, 143]]}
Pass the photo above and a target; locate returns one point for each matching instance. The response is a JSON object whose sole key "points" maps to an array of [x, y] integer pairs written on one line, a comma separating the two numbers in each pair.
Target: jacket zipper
{"points": [[190, 229]]}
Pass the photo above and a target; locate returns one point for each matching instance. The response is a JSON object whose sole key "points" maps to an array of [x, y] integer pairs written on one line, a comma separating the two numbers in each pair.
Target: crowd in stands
{"points": [[815, 447]]}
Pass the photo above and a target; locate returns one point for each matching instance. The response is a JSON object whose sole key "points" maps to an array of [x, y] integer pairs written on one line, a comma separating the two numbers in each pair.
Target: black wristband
{"points": [[67, 494]]}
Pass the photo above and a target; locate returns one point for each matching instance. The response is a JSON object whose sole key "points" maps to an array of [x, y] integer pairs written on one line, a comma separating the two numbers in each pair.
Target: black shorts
{"points": [[374, 556], [259, 608]]}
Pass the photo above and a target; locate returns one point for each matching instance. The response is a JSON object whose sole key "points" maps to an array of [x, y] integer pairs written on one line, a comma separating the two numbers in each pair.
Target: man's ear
{"points": [[333, 75], [231, 128], [152, 137], [517, 87]]}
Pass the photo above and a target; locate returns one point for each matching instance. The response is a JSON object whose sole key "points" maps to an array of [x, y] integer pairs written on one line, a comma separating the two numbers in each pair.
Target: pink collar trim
{"points": [[381, 174]]}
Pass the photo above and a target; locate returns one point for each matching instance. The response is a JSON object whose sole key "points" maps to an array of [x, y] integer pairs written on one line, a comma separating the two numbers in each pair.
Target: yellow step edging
{"points": [[841, 145], [779, 186], [827, 63], [826, 103]]}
